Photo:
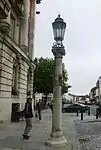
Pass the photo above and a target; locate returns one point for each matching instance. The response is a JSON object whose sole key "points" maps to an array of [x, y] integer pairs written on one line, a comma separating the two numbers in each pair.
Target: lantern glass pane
{"points": [[55, 33], [59, 29], [63, 32]]}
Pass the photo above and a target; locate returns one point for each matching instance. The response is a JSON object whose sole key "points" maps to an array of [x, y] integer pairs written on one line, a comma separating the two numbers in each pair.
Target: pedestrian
{"points": [[28, 117], [38, 106], [51, 107], [36, 111]]}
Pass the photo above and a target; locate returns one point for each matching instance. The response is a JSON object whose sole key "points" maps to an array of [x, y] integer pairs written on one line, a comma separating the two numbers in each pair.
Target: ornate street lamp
{"points": [[56, 136], [59, 27]]}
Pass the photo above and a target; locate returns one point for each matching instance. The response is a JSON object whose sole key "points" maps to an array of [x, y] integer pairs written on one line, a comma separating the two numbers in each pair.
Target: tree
{"points": [[44, 74], [65, 79]]}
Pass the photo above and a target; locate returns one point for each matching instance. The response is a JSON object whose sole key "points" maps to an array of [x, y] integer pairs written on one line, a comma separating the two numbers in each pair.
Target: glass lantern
{"points": [[59, 27]]}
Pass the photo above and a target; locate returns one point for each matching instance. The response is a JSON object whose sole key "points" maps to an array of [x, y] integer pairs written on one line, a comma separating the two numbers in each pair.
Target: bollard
{"points": [[97, 113], [89, 111], [77, 113], [81, 114]]}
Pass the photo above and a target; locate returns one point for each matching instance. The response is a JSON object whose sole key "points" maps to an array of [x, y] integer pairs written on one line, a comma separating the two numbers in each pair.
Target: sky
{"points": [[82, 39]]}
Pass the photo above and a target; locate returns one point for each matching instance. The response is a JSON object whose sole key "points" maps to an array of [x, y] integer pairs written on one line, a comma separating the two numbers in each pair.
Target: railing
{"points": [[4, 8]]}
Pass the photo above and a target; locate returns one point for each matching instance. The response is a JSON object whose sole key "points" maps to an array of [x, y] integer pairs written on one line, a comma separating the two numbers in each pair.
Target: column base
{"points": [[56, 140]]}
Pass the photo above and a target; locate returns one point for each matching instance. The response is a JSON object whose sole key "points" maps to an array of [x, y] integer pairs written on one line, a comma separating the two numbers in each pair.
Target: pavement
{"points": [[10, 135], [80, 135]]}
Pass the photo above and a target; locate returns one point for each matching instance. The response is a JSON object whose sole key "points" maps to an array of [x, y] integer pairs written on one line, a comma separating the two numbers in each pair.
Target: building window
{"points": [[28, 80], [15, 77], [12, 33]]}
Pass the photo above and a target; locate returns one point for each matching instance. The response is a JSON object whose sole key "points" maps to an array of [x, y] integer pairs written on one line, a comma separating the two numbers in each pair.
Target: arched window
{"points": [[15, 77]]}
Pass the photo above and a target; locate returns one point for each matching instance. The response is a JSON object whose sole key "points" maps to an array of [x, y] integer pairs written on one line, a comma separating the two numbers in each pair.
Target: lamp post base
{"points": [[56, 139]]}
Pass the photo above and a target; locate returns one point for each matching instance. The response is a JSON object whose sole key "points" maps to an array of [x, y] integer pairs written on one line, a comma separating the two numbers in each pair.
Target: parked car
{"points": [[73, 108]]}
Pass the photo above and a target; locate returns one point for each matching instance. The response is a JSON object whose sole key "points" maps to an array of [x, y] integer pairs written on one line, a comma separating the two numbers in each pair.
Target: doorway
{"points": [[15, 109]]}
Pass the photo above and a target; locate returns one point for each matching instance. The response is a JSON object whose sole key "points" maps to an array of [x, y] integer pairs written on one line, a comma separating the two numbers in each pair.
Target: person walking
{"points": [[28, 117], [51, 107], [38, 106]]}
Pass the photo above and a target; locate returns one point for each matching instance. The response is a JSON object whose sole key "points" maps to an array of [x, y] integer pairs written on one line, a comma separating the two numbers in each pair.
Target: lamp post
{"points": [[58, 50]]}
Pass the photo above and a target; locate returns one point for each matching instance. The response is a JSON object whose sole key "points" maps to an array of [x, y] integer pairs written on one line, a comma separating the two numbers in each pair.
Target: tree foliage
{"points": [[44, 74], [65, 79], [43, 82]]}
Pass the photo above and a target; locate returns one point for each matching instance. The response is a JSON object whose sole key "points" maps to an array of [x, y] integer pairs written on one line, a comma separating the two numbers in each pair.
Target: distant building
{"points": [[79, 98], [95, 92], [92, 94], [40, 96], [98, 91]]}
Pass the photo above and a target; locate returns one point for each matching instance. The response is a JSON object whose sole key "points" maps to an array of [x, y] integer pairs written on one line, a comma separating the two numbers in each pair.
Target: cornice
{"points": [[15, 48]]}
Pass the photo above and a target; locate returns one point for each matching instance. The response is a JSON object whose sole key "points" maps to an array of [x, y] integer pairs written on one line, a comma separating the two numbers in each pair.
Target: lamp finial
{"points": [[59, 15]]}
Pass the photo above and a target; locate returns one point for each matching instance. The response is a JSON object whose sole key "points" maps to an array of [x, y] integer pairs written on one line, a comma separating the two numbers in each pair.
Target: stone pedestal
{"points": [[56, 139]]}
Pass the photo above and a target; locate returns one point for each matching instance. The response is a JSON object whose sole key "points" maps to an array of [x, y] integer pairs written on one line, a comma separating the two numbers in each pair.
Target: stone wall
{"points": [[6, 68], [15, 43]]}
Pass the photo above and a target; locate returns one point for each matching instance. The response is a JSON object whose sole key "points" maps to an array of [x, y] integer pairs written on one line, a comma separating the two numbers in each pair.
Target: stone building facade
{"points": [[98, 91], [16, 51], [95, 92]]}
